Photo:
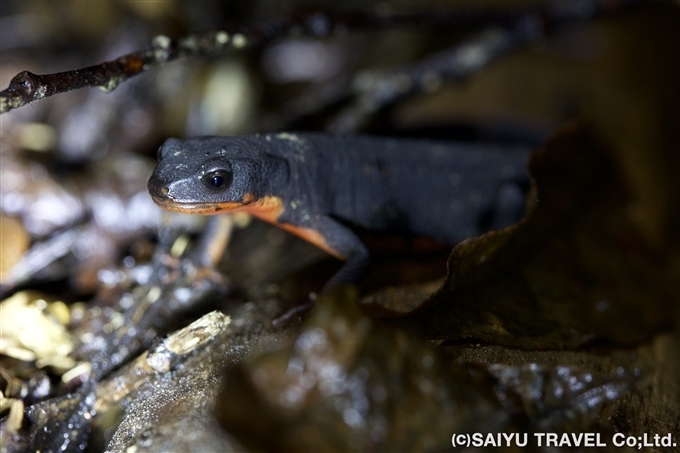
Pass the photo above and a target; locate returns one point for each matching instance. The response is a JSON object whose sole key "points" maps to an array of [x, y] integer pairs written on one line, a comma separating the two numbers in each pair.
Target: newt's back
{"points": [[446, 191]]}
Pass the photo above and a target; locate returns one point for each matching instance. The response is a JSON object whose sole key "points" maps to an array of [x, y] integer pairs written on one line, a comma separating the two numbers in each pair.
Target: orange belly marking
{"points": [[270, 208], [313, 237]]}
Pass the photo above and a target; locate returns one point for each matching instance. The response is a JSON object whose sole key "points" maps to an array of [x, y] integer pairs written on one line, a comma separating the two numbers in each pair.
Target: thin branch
{"points": [[27, 87]]}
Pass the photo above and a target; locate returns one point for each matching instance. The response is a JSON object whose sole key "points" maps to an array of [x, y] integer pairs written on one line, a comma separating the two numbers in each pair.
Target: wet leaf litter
{"points": [[564, 322]]}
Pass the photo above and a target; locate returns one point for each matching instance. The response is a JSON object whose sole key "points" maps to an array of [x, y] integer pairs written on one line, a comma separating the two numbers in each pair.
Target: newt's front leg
{"points": [[336, 239]]}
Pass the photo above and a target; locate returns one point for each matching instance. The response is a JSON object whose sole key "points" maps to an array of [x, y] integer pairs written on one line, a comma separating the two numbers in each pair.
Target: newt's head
{"points": [[209, 175]]}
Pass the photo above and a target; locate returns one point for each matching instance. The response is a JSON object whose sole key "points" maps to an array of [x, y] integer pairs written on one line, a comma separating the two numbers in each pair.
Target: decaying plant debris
{"points": [[123, 330]]}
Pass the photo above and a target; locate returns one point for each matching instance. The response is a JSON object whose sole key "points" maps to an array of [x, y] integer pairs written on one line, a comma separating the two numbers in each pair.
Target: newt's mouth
{"points": [[161, 198]]}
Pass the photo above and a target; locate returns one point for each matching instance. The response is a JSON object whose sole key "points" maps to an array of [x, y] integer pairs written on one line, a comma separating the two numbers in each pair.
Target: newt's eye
{"points": [[217, 180]]}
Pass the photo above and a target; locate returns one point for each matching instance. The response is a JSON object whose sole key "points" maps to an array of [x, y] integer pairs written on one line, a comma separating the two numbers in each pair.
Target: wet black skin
{"points": [[445, 191]]}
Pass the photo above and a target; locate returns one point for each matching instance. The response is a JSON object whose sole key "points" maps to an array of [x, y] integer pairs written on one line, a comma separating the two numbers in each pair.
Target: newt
{"points": [[320, 187]]}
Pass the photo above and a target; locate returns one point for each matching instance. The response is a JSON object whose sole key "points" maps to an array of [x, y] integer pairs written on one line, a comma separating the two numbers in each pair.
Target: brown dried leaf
{"points": [[574, 270]]}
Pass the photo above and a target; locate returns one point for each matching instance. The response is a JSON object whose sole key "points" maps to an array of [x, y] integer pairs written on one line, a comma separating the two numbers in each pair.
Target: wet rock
{"points": [[347, 385]]}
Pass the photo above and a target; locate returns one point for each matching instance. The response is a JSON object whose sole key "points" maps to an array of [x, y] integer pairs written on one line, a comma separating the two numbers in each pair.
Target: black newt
{"points": [[318, 187]]}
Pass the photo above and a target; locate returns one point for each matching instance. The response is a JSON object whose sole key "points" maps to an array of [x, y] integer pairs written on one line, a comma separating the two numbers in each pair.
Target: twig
{"points": [[27, 87]]}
